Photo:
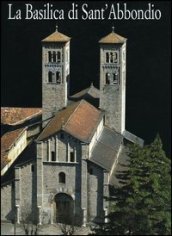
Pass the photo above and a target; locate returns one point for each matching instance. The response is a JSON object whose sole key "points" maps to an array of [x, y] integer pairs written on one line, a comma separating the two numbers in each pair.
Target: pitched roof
{"points": [[106, 149], [90, 94], [112, 38], [117, 178], [78, 119], [92, 91], [133, 138], [17, 115], [7, 140], [57, 37]]}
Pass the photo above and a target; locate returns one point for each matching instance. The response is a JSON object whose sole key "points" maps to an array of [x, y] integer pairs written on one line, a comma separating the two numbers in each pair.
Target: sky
{"points": [[148, 86]]}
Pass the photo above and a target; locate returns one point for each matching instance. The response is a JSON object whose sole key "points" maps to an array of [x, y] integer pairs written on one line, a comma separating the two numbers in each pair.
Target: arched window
{"points": [[115, 78], [107, 57], [49, 56], [58, 56], [62, 178], [54, 56], [115, 57], [111, 57], [107, 78], [50, 77], [58, 79]]}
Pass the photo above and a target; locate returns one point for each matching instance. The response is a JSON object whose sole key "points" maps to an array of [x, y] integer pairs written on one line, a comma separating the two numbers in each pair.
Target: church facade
{"points": [[65, 171]]}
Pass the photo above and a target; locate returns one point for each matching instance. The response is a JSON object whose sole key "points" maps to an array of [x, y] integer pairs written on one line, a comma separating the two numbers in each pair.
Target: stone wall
{"points": [[112, 95], [86, 190], [61, 145], [7, 202], [52, 187], [95, 192], [54, 95], [25, 191]]}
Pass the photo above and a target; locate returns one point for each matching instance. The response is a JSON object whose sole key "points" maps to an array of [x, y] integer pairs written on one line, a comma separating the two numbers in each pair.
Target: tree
{"points": [[143, 205]]}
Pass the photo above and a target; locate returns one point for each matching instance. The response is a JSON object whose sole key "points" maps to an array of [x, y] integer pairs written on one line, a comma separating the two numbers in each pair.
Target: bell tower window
{"points": [[49, 56], [54, 57], [58, 78], [115, 57], [107, 78], [112, 78], [111, 57], [50, 77], [58, 56], [115, 78], [107, 57]]}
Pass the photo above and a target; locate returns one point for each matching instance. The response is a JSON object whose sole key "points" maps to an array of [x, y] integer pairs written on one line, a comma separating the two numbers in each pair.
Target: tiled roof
{"points": [[79, 119], [7, 141], [106, 149], [90, 94], [17, 115], [112, 38], [92, 91], [57, 37]]}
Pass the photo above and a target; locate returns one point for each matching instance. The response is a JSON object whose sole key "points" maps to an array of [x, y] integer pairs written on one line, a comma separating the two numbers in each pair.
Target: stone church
{"points": [[59, 161]]}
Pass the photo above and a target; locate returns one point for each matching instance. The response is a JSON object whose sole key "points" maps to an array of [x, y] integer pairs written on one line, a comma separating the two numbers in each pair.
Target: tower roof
{"points": [[112, 38], [57, 37]]}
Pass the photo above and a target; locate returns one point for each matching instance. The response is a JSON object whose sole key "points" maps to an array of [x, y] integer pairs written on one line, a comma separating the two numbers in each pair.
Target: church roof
{"points": [[7, 140], [106, 148], [57, 37], [79, 119], [90, 94], [112, 38], [17, 115], [133, 138], [118, 178], [92, 91]]}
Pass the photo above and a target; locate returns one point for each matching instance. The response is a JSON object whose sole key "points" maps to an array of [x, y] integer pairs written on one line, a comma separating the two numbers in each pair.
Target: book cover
{"points": [[27, 27]]}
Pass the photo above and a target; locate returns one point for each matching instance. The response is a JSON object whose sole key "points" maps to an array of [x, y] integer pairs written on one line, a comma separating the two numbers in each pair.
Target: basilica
{"points": [[59, 161]]}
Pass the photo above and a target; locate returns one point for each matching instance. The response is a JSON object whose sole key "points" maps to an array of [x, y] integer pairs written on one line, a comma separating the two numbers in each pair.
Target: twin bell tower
{"points": [[56, 74]]}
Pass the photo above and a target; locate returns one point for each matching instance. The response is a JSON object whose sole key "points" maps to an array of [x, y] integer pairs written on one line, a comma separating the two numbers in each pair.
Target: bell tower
{"points": [[113, 80], [55, 73]]}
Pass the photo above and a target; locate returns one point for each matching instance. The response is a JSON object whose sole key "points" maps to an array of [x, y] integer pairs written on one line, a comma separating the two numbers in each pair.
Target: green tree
{"points": [[143, 205]]}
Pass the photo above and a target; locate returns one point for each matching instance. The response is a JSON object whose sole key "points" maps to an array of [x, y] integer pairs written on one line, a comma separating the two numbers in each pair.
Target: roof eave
{"points": [[103, 42], [55, 41]]}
